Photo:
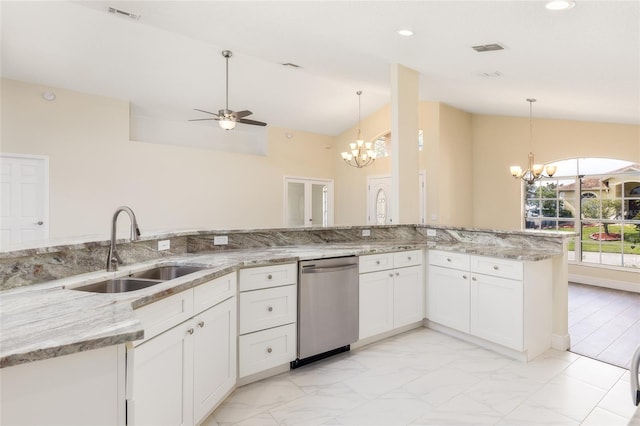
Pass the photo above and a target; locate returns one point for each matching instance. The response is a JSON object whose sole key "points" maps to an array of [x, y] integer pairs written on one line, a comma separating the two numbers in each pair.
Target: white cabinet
{"points": [[84, 388], [181, 374], [503, 301], [268, 313], [391, 292]]}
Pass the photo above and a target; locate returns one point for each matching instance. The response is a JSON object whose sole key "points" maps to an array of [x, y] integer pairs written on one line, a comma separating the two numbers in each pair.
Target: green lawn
{"points": [[631, 244]]}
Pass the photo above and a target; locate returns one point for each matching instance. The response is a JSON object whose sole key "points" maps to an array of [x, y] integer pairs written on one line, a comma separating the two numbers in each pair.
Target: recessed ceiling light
{"points": [[48, 96], [404, 32], [560, 4]]}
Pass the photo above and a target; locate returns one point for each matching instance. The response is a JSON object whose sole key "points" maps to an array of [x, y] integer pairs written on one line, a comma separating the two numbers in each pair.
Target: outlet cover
{"points": [[164, 245], [431, 232], [366, 232], [220, 240]]}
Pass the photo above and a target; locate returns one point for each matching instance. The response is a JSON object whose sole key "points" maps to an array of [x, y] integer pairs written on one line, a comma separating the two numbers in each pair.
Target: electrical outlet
{"points": [[434, 216], [366, 232], [220, 240], [431, 232], [164, 245]]}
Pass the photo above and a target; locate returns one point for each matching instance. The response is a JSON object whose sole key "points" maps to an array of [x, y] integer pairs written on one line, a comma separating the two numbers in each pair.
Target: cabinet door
{"points": [[497, 310], [376, 303], [448, 297], [408, 296], [214, 357], [160, 379]]}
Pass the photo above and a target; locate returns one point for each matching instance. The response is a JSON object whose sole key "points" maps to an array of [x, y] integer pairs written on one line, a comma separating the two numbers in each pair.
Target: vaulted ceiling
{"points": [[581, 64]]}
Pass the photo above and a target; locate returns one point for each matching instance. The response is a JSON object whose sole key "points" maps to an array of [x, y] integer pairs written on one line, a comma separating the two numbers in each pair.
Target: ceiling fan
{"points": [[226, 117]]}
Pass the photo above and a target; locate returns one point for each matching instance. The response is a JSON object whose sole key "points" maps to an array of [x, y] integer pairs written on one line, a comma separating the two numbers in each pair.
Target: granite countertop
{"points": [[50, 319]]}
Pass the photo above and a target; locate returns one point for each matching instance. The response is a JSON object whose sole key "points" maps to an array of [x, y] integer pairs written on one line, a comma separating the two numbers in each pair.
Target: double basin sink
{"points": [[140, 280]]}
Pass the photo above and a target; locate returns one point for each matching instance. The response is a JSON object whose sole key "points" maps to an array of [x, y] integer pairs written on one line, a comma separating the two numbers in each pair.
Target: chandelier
{"points": [[533, 171], [361, 153]]}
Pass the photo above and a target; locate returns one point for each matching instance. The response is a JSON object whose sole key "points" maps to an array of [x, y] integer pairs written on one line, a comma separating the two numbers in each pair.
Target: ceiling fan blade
{"points": [[206, 112], [254, 122], [241, 114], [203, 119]]}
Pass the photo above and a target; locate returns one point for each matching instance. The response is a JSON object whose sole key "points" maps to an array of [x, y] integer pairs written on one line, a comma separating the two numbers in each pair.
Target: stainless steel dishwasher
{"points": [[327, 307]]}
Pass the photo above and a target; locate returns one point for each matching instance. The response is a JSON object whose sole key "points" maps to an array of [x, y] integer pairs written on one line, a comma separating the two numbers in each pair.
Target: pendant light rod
{"points": [[227, 54]]}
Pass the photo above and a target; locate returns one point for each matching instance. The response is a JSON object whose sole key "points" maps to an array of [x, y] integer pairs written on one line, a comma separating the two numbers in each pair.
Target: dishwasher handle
{"points": [[635, 386], [312, 269]]}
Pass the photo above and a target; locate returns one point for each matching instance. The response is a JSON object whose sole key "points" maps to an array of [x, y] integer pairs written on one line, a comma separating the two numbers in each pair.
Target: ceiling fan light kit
{"points": [[226, 118]]}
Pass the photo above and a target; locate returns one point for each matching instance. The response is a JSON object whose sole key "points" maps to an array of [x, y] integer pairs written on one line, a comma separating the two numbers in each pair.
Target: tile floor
{"points": [[604, 323], [423, 377]]}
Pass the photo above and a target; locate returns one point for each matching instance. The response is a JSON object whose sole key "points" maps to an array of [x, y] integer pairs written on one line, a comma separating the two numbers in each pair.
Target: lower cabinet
{"points": [[448, 298], [179, 376], [391, 291], [84, 388]]}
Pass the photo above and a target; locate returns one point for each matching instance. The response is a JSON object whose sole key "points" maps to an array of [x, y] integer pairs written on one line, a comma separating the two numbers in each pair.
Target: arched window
{"points": [[599, 198]]}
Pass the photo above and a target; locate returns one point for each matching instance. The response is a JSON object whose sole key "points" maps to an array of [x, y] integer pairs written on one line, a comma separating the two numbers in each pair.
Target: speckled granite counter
{"points": [[47, 320]]}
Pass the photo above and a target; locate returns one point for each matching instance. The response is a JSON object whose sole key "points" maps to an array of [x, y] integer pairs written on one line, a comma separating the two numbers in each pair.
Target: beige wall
{"points": [[94, 168]]}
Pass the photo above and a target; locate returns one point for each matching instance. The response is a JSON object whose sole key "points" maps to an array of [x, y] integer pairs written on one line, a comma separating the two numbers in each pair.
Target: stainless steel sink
{"points": [[167, 272], [118, 285]]}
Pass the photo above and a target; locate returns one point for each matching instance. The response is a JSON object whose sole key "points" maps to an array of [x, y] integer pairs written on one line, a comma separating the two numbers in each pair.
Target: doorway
{"points": [[24, 202], [379, 199], [308, 202]]}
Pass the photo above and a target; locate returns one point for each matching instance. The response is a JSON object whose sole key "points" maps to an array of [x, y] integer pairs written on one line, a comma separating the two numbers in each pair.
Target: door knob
{"points": [[39, 223]]}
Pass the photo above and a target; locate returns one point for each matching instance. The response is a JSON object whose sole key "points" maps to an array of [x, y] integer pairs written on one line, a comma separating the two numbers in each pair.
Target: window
{"points": [[597, 197], [382, 144]]}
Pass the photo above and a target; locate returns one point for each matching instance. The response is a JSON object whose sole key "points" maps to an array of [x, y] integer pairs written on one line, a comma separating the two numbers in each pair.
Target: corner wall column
{"points": [[405, 202]]}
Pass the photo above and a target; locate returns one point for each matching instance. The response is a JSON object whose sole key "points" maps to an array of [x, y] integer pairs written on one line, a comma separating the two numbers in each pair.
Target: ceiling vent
{"points": [[492, 74], [289, 64], [487, 47], [123, 13]]}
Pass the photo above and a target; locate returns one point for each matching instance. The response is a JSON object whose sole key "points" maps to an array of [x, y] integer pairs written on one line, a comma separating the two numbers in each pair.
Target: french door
{"points": [[308, 202]]}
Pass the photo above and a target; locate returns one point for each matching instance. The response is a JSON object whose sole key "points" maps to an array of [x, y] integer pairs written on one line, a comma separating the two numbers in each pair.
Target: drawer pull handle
{"points": [[464, 276], [448, 259], [269, 277], [190, 331], [408, 257], [377, 262], [270, 309], [269, 350], [201, 324], [495, 267]]}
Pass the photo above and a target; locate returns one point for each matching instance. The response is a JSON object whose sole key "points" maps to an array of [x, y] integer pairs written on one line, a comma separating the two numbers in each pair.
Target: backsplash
{"points": [[33, 266]]}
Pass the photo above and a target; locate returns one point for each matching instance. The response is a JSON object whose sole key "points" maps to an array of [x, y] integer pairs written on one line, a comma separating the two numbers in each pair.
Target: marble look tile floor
{"points": [[604, 323], [423, 377]]}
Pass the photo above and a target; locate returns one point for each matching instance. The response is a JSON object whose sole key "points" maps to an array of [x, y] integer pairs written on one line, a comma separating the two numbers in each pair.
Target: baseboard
{"points": [[560, 343], [372, 339], [606, 283]]}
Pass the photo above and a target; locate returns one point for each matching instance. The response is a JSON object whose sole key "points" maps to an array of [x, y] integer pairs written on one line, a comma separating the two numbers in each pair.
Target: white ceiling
{"points": [[581, 64]]}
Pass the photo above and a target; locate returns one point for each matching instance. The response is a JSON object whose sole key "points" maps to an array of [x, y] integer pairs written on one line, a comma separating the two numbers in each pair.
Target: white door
{"points": [[308, 202], [375, 303], [408, 296], [379, 200], [24, 202]]}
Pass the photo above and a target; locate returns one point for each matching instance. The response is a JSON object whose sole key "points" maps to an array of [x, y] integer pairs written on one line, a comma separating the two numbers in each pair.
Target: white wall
{"points": [[94, 168]]}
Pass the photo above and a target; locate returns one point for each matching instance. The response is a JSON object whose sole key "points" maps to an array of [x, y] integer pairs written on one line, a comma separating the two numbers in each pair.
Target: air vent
{"points": [[490, 74], [487, 47], [123, 13], [289, 64]]}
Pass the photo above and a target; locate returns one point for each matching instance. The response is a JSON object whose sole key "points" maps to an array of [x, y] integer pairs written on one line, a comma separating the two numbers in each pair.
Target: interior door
{"points": [[308, 202], [24, 203]]}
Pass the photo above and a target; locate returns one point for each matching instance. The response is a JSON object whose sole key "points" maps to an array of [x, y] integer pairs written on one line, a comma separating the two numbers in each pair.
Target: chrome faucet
{"points": [[113, 259]]}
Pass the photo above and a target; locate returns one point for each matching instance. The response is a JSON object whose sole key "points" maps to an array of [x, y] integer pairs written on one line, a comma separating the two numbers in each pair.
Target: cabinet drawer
{"points": [[268, 276], [407, 258], [267, 308], [266, 349], [504, 268], [213, 292], [375, 262], [160, 316], [449, 259]]}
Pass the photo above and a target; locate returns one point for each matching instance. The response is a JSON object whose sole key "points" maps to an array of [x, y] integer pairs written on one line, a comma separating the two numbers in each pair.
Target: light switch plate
{"points": [[366, 232], [220, 240], [164, 245], [431, 232]]}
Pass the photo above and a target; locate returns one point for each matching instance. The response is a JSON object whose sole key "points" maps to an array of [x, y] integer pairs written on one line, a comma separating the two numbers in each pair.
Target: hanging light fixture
{"points": [[533, 171], [361, 153]]}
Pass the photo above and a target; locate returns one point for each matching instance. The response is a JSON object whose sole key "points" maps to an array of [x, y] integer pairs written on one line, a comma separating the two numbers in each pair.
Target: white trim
{"points": [[604, 282], [561, 342]]}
